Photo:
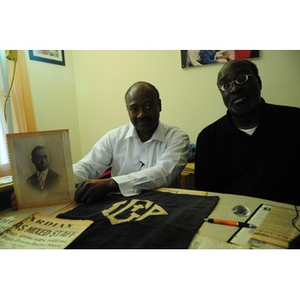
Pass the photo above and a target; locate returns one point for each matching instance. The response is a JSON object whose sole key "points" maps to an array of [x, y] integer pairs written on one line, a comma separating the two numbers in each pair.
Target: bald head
{"points": [[146, 86], [236, 65], [144, 106]]}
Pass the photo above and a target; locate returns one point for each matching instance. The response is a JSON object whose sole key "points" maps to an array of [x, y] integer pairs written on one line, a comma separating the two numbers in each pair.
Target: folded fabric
{"points": [[151, 220]]}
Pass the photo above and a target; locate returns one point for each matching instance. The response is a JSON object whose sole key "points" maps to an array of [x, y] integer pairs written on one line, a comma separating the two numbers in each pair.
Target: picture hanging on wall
{"points": [[49, 56], [199, 58]]}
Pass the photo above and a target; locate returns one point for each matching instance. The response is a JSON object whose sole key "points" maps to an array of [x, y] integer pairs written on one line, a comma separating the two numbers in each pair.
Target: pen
{"points": [[229, 223], [142, 164]]}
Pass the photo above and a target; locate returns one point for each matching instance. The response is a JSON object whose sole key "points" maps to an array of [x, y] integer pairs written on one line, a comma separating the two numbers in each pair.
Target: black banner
{"points": [[151, 220]]}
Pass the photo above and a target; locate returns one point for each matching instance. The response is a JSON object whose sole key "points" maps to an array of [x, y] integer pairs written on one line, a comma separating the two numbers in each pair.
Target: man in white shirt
{"points": [[143, 155]]}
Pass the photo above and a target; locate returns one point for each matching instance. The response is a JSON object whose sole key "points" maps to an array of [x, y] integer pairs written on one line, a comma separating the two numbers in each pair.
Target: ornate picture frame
{"points": [[46, 152]]}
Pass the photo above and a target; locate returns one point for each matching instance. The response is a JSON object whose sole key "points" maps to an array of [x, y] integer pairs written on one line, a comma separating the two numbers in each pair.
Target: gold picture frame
{"points": [[50, 152]]}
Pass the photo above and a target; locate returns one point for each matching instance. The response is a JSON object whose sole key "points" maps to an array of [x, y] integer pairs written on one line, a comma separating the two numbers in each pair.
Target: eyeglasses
{"points": [[225, 87]]}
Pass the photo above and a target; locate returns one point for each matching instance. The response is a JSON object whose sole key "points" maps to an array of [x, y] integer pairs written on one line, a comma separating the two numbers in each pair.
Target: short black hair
{"points": [[149, 85], [252, 66], [254, 69], [35, 149]]}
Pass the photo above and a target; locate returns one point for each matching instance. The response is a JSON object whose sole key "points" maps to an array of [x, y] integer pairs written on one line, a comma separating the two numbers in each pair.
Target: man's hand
{"points": [[94, 189], [13, 201]]}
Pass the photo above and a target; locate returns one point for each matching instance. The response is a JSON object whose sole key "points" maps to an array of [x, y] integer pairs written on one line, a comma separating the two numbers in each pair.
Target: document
{"points": [[277, 227], [243, 235], [6, 223], [6, 182], [42, 232], [203, 242]]}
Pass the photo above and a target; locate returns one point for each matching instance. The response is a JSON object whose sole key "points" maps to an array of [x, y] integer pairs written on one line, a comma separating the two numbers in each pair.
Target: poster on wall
{"points": [[199, 58], [49, 56]]}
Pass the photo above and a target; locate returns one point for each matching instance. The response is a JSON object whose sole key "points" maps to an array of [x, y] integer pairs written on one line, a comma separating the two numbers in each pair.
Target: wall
{"points": [[94, 82], [54, 98], [190, 98]]}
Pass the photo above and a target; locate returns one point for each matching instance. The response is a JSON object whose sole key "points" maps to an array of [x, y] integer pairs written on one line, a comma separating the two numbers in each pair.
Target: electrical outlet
{"points": [[11, 54]]}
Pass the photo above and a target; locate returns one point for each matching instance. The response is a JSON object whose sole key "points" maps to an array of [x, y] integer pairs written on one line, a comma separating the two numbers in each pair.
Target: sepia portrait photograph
{"points": [[41, 167], [199, 58]]}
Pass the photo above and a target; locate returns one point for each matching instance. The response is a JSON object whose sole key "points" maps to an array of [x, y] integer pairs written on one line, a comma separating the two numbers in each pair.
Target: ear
{"points": [[259, 82], [159, 104]]}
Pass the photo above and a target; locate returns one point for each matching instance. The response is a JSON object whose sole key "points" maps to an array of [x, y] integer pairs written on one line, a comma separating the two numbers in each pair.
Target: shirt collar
{"points": [[44, 173], [158, 134], [229, 126]]}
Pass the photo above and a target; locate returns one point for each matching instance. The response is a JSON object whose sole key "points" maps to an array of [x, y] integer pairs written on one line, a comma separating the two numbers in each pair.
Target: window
{"points": [[14, 69], [3, 123], [3, 148]]}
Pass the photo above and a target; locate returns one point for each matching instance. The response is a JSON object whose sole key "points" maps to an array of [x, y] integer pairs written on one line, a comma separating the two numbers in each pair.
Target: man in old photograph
{"points": [[44, 178]]}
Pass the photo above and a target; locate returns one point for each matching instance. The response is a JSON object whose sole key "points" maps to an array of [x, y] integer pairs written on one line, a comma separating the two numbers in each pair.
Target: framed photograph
{"points": [[50, 56], [41, 166], [199, 58]]}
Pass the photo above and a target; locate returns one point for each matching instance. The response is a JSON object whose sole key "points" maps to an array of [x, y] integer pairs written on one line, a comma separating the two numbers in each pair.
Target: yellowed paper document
{"points": [[6, 223], [42, 232], [277, 227]]}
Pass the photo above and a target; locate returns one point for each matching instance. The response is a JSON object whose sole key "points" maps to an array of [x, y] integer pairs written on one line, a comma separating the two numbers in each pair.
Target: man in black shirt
{"points": [[253, 150]]}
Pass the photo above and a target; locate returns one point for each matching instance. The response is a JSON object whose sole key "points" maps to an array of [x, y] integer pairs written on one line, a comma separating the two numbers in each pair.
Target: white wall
{"points": [[94, 82], [54, 98]]}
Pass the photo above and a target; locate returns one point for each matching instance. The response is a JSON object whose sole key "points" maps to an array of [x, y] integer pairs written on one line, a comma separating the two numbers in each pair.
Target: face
{"points": [[143, 109], [41, 159], [241, 99]]}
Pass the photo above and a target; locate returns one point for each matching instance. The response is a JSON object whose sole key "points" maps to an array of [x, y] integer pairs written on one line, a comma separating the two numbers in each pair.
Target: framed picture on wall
{"points": [[41, 168], [199, 58], [49, 56]]}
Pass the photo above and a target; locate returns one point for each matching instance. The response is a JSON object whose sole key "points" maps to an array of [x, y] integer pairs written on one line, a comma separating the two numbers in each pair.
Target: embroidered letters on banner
{"points": [[135, 210]]}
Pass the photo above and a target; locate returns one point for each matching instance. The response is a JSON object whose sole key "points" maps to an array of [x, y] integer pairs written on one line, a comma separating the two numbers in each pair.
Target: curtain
{"points": [[21, 104]]}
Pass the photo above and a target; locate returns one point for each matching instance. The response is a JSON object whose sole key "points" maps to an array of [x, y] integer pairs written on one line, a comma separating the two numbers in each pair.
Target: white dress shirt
{"points": [[137, 166]]}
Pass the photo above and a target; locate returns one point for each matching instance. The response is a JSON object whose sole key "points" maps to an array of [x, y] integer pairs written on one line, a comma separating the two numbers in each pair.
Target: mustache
{"points": [[233, 98], [142, 120]]}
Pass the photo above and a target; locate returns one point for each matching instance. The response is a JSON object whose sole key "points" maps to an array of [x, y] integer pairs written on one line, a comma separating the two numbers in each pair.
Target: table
{"points": [[188, 176], [208, 236], [214, 236], [220, 233]]}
